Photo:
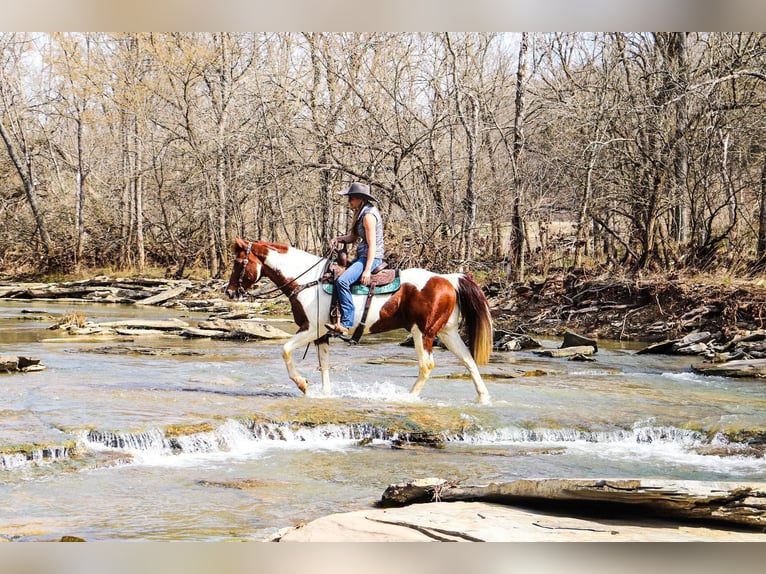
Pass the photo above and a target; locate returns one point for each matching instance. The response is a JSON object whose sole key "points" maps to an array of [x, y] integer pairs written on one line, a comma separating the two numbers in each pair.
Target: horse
{"points": [[427, 305]]}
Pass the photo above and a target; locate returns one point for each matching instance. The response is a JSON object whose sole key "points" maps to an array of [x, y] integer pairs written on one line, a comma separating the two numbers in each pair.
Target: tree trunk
{"points": [[762, 215], [468, 114], [80, 199], [126, 201], [734, 503], [583, 221], [138, 194], [24, 167], [681, 155], [223, 97], [517, 270], [470, 202]]}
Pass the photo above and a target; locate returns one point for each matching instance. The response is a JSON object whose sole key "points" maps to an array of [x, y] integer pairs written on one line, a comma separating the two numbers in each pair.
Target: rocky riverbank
{"points": [[635, 309], [649, 310], [723, 323]]}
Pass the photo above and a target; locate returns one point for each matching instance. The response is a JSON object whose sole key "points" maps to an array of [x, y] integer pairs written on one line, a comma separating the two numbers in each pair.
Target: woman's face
{"points": [[354, 202]]}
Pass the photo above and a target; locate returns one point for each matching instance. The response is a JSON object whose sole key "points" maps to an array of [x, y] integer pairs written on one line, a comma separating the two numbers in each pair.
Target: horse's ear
{"points": [[239, 243]]}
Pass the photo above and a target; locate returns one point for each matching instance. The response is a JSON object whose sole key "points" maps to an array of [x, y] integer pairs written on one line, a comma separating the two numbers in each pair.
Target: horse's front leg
{"points": [[323, 350], [298, 340]]}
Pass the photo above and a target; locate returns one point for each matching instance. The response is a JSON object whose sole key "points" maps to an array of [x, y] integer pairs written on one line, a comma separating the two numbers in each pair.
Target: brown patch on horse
{"points": [[260, 248], [429, 308], [268, 245]]}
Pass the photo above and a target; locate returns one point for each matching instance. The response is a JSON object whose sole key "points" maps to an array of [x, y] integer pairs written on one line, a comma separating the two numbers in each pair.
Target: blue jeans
{"points": [[350, 276]]}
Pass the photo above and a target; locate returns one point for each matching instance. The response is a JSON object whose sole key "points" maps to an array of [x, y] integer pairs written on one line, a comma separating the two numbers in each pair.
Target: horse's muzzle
{"points": [[231, 293]]}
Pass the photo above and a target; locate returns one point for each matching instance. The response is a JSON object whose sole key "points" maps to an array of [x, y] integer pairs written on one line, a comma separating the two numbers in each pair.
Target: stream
{"points": [[165, 438]]}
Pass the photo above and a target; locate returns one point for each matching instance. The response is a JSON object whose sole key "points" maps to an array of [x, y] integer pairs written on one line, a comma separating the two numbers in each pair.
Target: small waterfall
{"points": [[638, 435], [235, 436], [231, 436], [318, 433], [9, 461], [151, 440]]}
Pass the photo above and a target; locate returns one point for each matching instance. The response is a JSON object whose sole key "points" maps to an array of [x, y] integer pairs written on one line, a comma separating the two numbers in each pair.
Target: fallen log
{"points": [[194, 333], [162, 296], [99, 337], [567, 351], [162, 324], [740, 504]]}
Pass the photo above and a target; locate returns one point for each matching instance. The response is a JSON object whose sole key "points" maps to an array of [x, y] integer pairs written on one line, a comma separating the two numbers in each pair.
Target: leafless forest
{"points": [[510, 153]]}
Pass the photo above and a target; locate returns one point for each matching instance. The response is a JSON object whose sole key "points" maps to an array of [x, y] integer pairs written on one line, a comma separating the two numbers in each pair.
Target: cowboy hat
{"points": [[358, 190]]}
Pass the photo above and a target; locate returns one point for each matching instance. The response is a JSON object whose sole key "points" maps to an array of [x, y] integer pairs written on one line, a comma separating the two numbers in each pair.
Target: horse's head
{"points": [[246, 271]]}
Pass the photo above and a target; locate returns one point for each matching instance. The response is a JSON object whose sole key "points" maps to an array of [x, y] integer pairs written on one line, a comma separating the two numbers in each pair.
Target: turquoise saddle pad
{"points": [[359, 289]]}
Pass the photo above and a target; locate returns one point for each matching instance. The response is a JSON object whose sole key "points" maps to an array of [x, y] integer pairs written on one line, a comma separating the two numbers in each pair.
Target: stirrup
{"points": [[336, 329]]}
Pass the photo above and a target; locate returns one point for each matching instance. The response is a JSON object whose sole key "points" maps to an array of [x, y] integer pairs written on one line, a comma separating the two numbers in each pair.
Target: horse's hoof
{"points": [[303, 386], [483, 399]]}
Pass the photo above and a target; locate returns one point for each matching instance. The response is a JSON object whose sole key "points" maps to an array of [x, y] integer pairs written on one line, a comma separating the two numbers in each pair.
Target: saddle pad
{"points": [[359, 289]]}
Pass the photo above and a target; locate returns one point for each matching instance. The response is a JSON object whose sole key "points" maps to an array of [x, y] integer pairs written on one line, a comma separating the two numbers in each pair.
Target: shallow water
{"points": [[211, 441]]}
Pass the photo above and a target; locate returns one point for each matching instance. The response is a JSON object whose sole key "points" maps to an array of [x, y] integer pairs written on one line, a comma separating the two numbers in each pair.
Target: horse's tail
{"points": [[474, 310]]}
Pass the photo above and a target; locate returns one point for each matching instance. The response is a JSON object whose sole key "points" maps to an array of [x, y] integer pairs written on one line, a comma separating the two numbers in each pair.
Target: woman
{"points": [[367, 226]]}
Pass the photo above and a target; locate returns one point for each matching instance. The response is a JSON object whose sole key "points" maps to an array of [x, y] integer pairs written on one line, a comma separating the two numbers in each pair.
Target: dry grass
{"points": [[72, 319]]}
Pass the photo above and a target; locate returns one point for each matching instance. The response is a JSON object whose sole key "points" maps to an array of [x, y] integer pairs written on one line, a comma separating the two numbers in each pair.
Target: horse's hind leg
{"points": [[453, 342], [425, 361]]}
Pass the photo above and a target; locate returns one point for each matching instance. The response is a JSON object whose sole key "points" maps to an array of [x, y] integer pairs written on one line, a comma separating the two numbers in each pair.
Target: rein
{"points": [[280, 288]]}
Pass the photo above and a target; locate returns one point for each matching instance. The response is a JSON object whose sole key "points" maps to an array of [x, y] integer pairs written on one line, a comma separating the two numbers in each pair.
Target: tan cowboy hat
{"points": [[358, 190]]}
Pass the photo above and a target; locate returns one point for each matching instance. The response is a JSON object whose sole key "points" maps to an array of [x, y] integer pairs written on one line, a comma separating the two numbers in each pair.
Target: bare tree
{"points": [[18, 126], [517, 224]]}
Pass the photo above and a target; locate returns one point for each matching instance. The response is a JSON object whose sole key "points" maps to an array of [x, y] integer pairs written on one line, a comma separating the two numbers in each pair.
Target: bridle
{"points": [[291, 294], [245, 261]]}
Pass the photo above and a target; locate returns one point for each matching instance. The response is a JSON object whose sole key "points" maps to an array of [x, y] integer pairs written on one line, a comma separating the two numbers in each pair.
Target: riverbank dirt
{"points": [[635, 309]]}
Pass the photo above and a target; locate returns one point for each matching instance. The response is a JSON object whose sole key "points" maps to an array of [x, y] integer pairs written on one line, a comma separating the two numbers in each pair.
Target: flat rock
{"points": [[482, 521], [552, 510], [661, 348], [743, 368], [575, 340], [14, 364], [244, 328]]}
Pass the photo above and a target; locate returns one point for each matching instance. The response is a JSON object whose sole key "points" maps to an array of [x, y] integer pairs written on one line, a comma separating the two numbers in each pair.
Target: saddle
{"points": [[382, 281]]}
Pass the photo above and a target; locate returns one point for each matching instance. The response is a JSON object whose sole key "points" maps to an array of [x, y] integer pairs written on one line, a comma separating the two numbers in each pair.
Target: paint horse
{"points": [[426, 304]]}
